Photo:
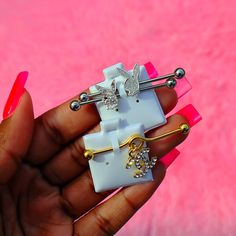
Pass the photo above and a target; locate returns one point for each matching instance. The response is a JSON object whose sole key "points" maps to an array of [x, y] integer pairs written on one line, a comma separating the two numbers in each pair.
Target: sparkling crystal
{"points": [[109, 96]]}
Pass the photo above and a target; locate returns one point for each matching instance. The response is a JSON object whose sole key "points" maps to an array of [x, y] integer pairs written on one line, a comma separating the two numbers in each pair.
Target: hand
{"points": [[46, 183]]}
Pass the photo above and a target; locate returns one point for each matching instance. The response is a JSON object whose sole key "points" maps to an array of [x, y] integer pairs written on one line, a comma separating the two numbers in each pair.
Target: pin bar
{"points": [[170, 83], [131, 141], [91, 101], [157, 79]]}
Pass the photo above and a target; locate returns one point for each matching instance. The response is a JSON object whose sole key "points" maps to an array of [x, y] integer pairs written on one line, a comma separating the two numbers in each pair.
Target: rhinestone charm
{"points": [[109, 96], [131, 84], [140, 159]]}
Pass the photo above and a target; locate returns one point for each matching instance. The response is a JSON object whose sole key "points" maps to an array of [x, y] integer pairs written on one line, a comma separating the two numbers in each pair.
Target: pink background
{"points": [[66, 44]]}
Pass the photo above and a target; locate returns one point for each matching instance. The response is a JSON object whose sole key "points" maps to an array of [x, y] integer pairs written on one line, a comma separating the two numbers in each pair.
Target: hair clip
{"points": [[132, 85], [137, 150]]}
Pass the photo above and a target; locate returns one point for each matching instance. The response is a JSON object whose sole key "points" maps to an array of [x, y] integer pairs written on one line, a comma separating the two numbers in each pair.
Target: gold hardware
{"points": [[136, 142]]}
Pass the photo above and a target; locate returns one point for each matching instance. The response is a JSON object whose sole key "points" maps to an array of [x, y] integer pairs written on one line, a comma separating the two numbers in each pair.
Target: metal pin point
{"points": [[75, 105]]}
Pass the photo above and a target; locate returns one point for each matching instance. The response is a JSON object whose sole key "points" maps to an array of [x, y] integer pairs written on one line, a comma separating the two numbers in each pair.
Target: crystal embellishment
{"points": [[109, 96], [131, 84], [140, 159]]}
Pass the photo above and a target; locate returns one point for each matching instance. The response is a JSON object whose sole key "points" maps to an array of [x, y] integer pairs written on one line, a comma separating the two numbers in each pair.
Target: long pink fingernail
{"points": [[193, 117], [151, 70], [15, 94], [182, 87], [169, 158], [191, 114]]}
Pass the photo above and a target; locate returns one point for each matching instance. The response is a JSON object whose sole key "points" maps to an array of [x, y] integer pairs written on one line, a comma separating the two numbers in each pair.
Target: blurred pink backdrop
{"points": [[66, 44]]}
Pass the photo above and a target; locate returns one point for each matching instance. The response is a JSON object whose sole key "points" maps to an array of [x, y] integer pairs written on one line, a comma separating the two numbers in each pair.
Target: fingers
{"points": [[60, 125], [8, 214], [70, 162], [79, 196], [15, 137], [38, 204], [165, 145], [168, 98], [57, 127], [110, 216], [84, 184]]}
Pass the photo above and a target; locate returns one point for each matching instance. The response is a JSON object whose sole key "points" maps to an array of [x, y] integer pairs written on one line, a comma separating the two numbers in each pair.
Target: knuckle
{"points": [[68, 204], [7, 154], [134, 207], [52, 175], [76, 152], [52, 130], [103, 224]]}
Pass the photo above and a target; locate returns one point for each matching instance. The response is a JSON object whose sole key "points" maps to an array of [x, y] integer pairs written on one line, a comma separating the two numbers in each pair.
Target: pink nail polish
{"points": [[169, 158], [151, 70], [191, 114], [182, 87], [15, 94]]}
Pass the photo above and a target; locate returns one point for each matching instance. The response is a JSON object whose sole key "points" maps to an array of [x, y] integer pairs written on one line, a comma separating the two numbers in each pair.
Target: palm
{"points": [[32, 206]]}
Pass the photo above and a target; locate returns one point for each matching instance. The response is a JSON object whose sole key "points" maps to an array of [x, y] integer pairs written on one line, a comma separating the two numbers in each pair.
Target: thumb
{"points": [[16, 129]]}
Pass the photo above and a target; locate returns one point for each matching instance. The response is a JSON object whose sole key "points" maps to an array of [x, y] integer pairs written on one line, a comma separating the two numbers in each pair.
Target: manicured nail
{"points": [[151, 70], [169, 158], [182, 87], [191, 114], [15, 94]]}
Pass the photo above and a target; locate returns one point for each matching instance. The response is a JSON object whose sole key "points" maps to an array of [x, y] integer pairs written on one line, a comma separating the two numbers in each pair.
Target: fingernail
{"points": [[15, 94], [151, 70], [191, 114], [182, 87], [169, 158]]}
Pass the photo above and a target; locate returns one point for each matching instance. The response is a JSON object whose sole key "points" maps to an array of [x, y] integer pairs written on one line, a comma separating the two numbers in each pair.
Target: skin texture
{"points": [[46, 183]]}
